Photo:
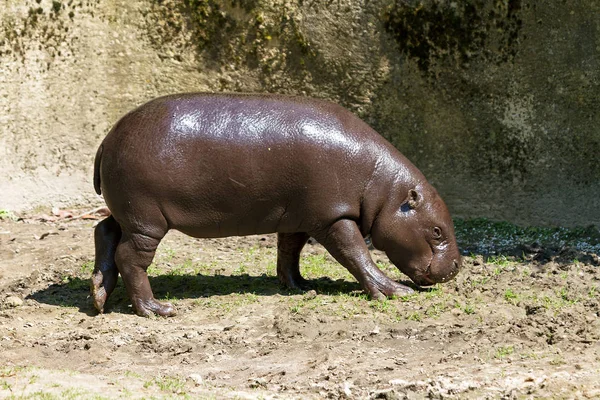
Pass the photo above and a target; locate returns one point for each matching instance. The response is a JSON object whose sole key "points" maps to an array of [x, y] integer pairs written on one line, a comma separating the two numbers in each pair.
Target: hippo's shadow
{"points": [[76, 291]]}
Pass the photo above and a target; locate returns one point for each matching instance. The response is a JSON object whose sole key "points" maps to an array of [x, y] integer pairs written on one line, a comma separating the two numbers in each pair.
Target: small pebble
{"points": [[13, 301], [196, 378]]}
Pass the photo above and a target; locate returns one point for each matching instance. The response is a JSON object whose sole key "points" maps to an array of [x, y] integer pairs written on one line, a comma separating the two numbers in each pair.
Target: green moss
{"points": [[483, 235], [56, 6], [253, 34], [35, 29], [432, 31]]}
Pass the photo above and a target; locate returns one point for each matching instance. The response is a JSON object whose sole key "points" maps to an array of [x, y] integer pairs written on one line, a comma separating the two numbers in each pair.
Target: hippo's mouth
{"points": [[426, 278]]}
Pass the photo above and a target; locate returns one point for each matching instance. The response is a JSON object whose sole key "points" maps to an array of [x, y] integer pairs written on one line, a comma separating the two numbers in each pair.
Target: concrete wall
{"points": [[496, 101]]}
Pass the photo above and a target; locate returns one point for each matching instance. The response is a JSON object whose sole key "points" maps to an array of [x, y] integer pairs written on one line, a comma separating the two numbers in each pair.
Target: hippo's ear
{"points": [[413, 199]]}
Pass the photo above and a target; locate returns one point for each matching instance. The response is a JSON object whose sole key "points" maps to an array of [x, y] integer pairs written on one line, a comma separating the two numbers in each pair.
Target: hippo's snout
{"points": [[455, 268], [445, 274], [439, 272]]}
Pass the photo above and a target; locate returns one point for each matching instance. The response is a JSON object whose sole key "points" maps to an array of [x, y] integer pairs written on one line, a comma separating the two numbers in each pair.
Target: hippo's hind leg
{"points": [[345, 243], [104, 278], [289, 246], [135, 253]]}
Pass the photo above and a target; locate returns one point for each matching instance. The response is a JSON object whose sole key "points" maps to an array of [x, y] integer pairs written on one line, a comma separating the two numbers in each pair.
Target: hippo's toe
{"points": [[382, 291], [146, 308], [99, 294]]}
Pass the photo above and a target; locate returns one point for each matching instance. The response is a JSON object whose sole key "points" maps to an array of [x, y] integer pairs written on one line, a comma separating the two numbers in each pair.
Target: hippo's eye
{"points": [[437, 233]]}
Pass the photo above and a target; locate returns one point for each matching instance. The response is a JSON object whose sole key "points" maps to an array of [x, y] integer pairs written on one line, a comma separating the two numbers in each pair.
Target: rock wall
{"points": [[496, 101]]}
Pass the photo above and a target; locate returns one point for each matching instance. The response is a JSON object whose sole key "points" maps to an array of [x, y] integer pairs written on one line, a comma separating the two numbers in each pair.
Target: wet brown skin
{"points": [[216, 165]]}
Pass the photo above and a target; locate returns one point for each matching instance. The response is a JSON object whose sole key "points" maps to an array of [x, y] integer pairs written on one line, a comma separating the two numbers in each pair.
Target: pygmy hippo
{"points": [[216, 165]]}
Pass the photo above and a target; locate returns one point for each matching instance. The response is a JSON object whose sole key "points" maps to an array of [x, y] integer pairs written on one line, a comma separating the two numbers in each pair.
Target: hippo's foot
{"points": [[146, 308], [383, 290], [133, 256], [294, 282], [101, 286], [345, 242], [104, 278]]}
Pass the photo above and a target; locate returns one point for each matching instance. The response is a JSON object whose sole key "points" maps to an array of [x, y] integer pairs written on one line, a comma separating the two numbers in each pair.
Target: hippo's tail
{"points": [[97, 161]]}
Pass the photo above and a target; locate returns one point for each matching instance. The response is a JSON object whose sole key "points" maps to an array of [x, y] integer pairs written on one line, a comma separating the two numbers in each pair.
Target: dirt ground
{"points": [[507, 327]]}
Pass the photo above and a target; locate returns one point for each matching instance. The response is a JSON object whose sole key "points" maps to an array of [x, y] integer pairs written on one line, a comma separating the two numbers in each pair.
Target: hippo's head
{"points": [[417, 234]]}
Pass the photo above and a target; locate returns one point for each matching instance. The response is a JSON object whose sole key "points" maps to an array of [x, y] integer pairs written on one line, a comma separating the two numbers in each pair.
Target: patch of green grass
{"points": [[563, 275], [529, 356], [168, 254], [511, 296], [567, 297], [11, 371], [480, 282], [297, 306], [314, 266], [5, 214], [347, 305], [39, 395], [153, 270], [132, 374], [227, 304], [72, 393], [501, 263], [410, 297], [436, 309], [468, 309], [182, 269], [67, 394], [558, 301], [383, 306], [415, 316], [170, 298], [5, 385], [504, 351], [558, 360], [434, 292], [240, 270], [271, 269], [75, 283], [87, 267], [170, 384]]}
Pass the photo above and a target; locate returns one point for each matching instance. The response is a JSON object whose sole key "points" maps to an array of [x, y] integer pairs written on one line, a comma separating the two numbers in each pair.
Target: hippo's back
{"points": [[244, 120], [215, 159]]}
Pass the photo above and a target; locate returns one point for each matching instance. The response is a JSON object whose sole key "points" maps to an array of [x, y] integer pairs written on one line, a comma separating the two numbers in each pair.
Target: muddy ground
{"points": [[520, 324]]}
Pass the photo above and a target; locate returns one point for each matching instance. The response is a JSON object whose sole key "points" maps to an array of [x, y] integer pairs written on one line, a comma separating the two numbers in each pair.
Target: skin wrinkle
{"points": [[366, 230], [282, 215], [301, 221], [216, 165], [236, 182]]}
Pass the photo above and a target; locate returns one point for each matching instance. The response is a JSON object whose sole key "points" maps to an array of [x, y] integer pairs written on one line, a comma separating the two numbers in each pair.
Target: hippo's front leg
{"points": [[134, 254], [345, 243]]}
